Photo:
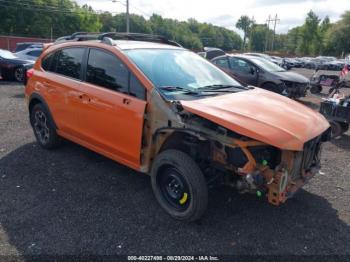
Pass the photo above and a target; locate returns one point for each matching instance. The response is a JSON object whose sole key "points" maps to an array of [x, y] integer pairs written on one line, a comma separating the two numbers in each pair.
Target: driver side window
{"points": [[241, 66], [222, 62]]}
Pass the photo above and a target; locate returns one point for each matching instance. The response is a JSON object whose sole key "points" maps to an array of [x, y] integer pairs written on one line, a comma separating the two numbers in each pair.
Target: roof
{"points": [[122, 40], [239, 55], [130, 44], [123, 44]]}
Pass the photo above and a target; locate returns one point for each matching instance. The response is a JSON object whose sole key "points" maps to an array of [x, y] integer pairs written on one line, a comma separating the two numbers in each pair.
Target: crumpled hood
{"points": [[263, 116], [291, 76]]}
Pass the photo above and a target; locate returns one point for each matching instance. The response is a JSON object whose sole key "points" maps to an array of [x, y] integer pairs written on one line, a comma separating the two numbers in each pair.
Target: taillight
{"points": [[30, 73]]}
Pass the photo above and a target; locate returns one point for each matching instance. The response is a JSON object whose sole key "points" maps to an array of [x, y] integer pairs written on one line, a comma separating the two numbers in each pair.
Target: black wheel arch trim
{"points": [[36, 96]]}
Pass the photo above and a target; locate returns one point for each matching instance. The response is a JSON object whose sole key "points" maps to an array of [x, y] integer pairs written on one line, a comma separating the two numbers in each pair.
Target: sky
{"points": [[226, 12]]}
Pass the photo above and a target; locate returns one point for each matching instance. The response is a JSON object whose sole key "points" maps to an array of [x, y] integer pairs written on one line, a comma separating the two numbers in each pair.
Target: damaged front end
{"points": [[280, 182], [251, 147], [255, 167]]}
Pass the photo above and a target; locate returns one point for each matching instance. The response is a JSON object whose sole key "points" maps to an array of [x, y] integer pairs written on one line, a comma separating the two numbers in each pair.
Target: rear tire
{"points": [[43, 127], [179, 185]]}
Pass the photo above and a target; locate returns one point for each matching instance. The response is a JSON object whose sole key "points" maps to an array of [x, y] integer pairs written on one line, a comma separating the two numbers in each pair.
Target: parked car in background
{"points": [[211, 52], [288, 63], [265, 56], [337, 65], [317, 63], [277, 60], [30, 53], [26, 45], [304, 61], [257, 71], [12, 67]]}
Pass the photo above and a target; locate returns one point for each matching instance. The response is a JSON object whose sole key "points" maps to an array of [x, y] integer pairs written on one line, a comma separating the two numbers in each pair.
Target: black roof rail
{"points": [[139, 37], [78, 36], [109, 36]]}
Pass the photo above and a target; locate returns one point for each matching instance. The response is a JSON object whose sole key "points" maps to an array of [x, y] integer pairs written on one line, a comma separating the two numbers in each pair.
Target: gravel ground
{"points": [[72, 201]]}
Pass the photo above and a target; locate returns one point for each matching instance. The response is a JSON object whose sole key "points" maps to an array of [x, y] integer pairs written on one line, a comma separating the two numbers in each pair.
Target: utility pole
{"points": [[127, 17], [127, 14], [274, 31], [251, 32], [267, 32]]}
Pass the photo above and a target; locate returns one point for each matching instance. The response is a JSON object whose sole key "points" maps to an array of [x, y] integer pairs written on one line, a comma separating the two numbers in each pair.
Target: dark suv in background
{"points": [[257, 71]]}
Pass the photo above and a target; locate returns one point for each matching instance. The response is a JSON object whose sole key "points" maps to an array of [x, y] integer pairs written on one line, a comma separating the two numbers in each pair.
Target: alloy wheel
{"points": [[41, 128]]}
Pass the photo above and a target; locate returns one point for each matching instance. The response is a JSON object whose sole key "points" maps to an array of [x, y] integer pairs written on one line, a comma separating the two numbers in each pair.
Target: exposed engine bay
{"points": [[249, 165]]}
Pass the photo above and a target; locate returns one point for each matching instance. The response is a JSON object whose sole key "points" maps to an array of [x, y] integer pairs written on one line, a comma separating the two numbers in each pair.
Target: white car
{"points": [[30, 54]]}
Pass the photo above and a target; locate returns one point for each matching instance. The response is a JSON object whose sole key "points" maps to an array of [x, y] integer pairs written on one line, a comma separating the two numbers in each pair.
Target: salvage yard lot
{"points": [[73, 201]]}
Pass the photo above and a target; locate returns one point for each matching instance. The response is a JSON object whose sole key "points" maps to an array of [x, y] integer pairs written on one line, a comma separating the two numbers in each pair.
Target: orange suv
{"points": [[148, 103]]}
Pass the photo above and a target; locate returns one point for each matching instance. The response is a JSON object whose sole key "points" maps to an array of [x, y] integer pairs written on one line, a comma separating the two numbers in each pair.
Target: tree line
{"points": [[63, 17], [54, 18], [314, 37]]}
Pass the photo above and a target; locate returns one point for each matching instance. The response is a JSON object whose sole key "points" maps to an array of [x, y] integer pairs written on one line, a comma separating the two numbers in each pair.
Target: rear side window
{"points": [[47, 62], [240, 65], [69, 62], [106, 70]]}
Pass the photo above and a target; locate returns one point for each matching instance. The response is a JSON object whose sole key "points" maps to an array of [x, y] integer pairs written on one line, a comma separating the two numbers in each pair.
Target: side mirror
{"points": [[252, 70]]}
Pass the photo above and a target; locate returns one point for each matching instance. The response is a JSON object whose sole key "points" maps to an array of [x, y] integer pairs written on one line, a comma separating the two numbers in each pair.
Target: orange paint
{"points": [[262, 115]]}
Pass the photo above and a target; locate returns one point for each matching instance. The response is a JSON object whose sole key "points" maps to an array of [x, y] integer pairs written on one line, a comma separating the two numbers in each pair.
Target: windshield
{"points": [[180, 69], [7, 54], [267, 65]]}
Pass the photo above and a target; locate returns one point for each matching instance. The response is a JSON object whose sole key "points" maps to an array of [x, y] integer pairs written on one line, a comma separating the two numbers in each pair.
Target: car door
{"points": [[113, 105], [245, 71], [59, 83]]}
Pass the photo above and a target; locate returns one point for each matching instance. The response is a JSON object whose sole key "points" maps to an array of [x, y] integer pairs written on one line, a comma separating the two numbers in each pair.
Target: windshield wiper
{"points": [[220, 87], [178, 88]]}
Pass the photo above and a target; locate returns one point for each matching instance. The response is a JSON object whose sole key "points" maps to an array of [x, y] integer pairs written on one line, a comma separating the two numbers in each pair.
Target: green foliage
{"points": [[245, 24], [63, 17], [316, 37], [258, 36], [310, 35], [39, 17], [337, 37]]}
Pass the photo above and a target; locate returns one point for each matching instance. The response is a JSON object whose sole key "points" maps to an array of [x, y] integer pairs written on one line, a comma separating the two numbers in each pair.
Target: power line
{"points": [[274, 31], [267, 32], [274, 20]]}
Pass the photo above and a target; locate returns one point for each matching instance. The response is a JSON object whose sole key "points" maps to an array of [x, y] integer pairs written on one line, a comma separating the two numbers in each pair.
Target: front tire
{"points": [[179, 185], [19, 74], [43, 127]]}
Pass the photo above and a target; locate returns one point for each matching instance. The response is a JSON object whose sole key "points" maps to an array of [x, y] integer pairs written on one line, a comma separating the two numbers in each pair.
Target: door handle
{"points": [[84, 98], [126, 101]]}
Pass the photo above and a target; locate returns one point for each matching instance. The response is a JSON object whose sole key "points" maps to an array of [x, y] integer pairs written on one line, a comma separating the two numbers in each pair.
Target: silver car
{"points": [[30, 54]]}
